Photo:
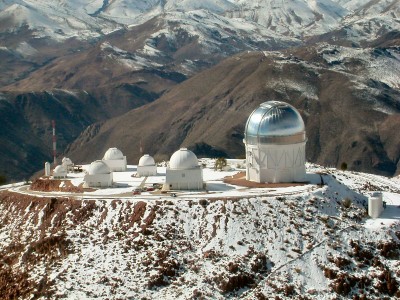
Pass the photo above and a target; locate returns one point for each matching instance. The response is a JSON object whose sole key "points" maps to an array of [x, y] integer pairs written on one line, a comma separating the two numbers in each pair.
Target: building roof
{"points": [[146, 160], [183, 159], [275, 122], [113, 154], [99, 167]]}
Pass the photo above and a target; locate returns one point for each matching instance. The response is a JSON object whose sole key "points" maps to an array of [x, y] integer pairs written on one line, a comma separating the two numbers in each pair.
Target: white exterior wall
{"points": [[276, 163], [189, 179], [59, 176], [375, 206], [98, 180], [116, 165], [147, 170], [47, 169], [68, 167]]}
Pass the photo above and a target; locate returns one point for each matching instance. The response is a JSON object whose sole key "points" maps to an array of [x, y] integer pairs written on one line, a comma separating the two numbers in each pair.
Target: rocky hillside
{"points": [[311, 245], [336, 89], [124, 54], [26, 133]]}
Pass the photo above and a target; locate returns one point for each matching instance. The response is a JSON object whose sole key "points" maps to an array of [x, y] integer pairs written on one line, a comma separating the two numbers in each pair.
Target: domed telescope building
{"points": [[184, 172], [99, 175], [275, 141], [147, 166], [115, 160], [59, 172]]}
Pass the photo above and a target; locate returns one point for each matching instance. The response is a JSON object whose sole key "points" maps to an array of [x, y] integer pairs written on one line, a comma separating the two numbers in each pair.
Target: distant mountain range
{"points": [[125, 54]]}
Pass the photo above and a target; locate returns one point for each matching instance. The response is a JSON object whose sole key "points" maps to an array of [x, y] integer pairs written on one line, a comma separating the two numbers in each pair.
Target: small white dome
{"points": [[66, 161], [59, 170], [113, 154], [99, 167], [183, 159], [146, 160]]}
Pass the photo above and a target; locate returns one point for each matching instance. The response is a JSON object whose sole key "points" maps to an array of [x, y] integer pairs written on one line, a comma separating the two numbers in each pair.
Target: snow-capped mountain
{"points": [[298, 18]]}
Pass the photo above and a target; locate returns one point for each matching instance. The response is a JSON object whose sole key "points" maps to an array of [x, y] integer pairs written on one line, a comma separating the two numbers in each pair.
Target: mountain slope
{"points": [[134, 51], [316, 243], [335, 88], [26, 133]]}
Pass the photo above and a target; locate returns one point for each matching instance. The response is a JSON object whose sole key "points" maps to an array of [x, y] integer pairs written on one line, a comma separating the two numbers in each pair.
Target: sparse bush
{"points": [[233, 267], [346, 202], [343, 166], [220, 163], [203, 202], [236, 282]]}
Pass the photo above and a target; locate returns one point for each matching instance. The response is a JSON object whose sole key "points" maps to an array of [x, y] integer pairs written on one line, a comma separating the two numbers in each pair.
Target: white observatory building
{"points": [[59, 172], [147, 166], [67, 164], [275, 141], [115, 160], [184, 172], [99, 175]]}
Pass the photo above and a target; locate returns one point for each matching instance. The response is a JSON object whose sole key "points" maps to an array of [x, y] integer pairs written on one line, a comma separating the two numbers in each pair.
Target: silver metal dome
{"points": [[275, 122]]}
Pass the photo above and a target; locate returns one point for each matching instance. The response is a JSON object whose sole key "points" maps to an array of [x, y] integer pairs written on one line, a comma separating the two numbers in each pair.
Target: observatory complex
{"points": [[59, 172], [275, 141]]}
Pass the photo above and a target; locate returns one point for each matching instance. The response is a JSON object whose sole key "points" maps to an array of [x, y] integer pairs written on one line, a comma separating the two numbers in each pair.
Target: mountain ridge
{"points": [[212, 108]]}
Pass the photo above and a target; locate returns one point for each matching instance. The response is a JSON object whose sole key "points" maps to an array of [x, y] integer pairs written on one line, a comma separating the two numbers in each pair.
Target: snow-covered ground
{"points": [[312, 241]]}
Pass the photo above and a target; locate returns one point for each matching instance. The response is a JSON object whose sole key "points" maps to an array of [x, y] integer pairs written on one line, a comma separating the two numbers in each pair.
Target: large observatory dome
{"points": [[183, 159], [99, 167], [113, 154], [146, 160], [275, 122]]}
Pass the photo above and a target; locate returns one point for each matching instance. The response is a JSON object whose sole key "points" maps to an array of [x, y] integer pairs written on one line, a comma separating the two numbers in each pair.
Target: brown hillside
{"points": [[212, 107]]}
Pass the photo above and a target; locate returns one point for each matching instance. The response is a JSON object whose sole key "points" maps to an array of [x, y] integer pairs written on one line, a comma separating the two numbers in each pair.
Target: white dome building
{"points": [[67, 164], [99, 175], [184, 172], [147, 166], [115, 160], [275, 141], [59, 172]]}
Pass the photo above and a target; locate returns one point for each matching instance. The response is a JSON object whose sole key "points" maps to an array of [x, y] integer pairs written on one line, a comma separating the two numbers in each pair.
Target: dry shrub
{"points": [[341, 262], [389, 249], [203, 202], [260, 263], [341, 285], [289, 290], [51, 248], [233, 267], [157, 280], [346, 202], [236, 282], [329, 273], [14, 285]]}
